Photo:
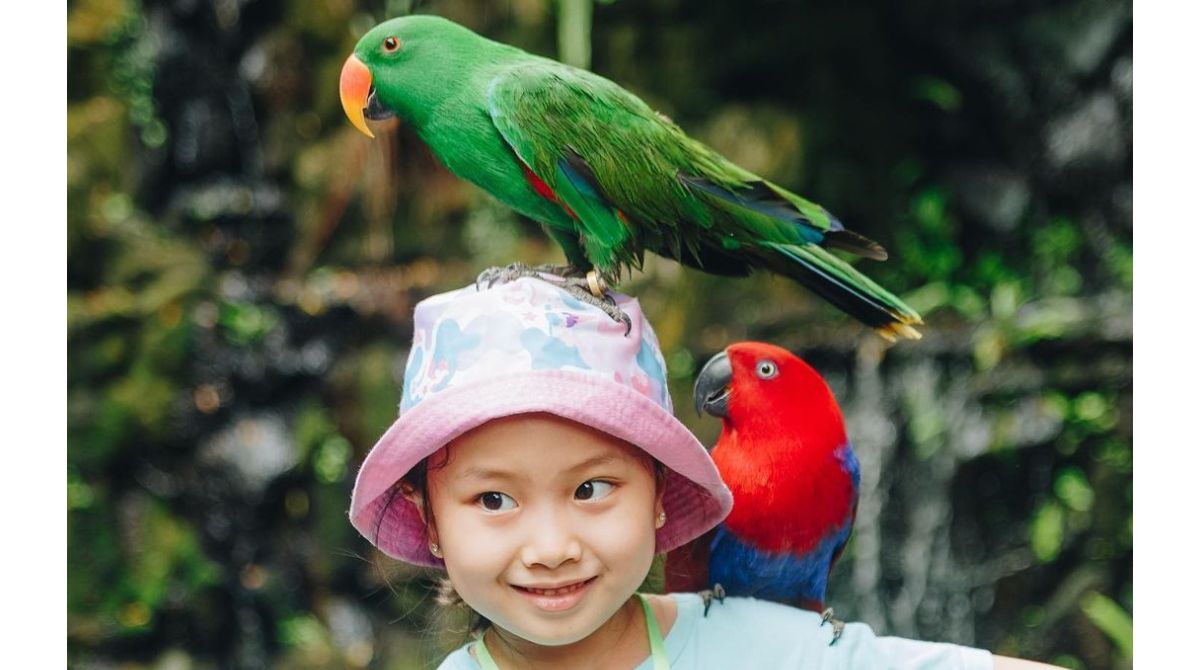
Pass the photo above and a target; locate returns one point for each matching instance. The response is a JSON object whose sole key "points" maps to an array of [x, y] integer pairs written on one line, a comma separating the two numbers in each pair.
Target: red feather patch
{"points": [[778, 453], [543, 189]]}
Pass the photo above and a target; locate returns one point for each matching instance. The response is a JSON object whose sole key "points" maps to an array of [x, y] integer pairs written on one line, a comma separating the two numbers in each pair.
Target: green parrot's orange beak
{"points": [[355, 86]]}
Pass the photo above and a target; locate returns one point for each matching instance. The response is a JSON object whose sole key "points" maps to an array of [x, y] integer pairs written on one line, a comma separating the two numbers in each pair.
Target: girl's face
{"points": [[547, 526]]}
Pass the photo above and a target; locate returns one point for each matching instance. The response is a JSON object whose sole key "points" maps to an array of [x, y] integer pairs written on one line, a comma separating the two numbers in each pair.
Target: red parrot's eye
{"points": [[766, 369], [391, 44]]}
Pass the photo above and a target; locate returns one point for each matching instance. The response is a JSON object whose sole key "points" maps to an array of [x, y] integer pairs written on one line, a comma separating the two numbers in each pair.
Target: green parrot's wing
{"points": [[544, 112], [634, 180]]}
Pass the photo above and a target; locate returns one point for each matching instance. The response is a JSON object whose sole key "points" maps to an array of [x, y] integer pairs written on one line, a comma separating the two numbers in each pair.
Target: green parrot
{"points": [[607, 176]]}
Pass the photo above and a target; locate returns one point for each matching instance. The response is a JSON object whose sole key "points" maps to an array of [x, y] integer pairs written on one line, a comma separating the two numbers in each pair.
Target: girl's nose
{"points": [[551, 543]]}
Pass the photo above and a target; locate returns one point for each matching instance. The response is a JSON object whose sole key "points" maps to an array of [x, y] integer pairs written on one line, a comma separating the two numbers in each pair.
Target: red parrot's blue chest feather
{"points": [[806, 525]]}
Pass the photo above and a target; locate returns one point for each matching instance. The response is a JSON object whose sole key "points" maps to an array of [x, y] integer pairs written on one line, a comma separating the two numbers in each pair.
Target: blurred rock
{"points": [[1087, 136], [273, 66], [997, 195], [257, 447], [204, 137], [174, 659], [1122, 203], [1122, 79], [351, 630], [1080, 34]]}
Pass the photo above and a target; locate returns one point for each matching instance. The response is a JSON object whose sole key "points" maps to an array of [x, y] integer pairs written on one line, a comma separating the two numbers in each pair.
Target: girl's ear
{"points": [[660, 487], [414, 496]]}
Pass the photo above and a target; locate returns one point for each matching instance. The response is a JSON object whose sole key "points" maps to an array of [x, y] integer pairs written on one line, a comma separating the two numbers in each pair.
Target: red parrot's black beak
{"points": [[712, 390]]}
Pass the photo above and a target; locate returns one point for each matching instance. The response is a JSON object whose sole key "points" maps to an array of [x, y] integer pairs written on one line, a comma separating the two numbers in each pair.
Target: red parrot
{"points": [[784, 454]]}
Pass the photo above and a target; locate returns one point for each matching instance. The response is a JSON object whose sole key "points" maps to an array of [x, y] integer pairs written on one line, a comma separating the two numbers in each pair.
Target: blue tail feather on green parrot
{"points": [[608, 177]]}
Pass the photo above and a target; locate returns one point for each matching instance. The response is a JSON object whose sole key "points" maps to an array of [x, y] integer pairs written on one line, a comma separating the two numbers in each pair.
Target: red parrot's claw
{"points": [[717, 592], [838, 625]]}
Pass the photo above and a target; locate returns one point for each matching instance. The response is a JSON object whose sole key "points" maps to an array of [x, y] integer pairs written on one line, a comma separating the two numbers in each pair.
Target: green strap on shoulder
{"points": [[658, 650], [482, 655]]}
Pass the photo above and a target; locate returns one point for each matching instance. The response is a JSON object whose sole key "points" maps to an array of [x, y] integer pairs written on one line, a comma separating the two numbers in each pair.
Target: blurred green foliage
{"points": [[242, 268], [1112, 619]]}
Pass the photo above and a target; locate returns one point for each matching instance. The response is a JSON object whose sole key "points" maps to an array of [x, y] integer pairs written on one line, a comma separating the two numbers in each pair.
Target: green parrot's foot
{"points": [[512, 272], [717, 592], [838, 625], [563, 271], [593, 291], [588, 287]]}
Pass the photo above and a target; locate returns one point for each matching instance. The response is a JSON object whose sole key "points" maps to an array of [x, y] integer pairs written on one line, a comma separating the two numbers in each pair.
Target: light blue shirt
{"points": [[760, 635]]}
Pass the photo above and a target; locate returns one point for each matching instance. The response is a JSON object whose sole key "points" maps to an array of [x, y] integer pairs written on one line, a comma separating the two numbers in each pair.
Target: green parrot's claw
{"points": [[574, 281], [504, 275], [717, 592], [838, 625], [581, 289], [563, 271], [514, 271]]}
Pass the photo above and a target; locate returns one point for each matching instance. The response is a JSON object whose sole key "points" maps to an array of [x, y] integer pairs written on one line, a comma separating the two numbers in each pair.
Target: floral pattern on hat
{"points": [[459, 338]]}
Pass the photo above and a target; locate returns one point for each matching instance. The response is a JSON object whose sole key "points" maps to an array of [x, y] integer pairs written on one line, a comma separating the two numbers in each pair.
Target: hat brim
{"points": [[695, 499]]}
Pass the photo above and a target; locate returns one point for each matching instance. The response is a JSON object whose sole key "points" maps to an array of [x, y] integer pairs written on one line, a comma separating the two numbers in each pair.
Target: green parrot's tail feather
{"points": [[810, 222], [848, 240], [758, 198], [847, 288]]}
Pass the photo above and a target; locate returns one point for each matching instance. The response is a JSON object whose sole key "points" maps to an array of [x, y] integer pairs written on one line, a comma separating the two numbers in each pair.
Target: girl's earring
{"points": [[661, 520], [435, 550]]}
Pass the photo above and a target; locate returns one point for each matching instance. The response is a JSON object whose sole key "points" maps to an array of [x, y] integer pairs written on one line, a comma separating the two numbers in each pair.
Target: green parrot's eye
{"points": [[391, 44], [766, 369]]}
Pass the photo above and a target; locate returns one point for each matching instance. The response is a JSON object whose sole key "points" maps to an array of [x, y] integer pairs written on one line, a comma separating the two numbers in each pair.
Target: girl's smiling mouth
{"points": [[557, 599]]}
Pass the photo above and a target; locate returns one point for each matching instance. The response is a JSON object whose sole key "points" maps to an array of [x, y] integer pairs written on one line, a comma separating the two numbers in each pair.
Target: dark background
{"points": [[243, 265]]}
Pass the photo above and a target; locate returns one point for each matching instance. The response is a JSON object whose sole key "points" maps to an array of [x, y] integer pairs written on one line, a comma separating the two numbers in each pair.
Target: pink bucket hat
{"points": [[529, 346]]}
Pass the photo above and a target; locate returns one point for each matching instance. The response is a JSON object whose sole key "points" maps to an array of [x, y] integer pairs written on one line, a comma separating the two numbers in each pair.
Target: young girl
{"points": [[537, 461]]}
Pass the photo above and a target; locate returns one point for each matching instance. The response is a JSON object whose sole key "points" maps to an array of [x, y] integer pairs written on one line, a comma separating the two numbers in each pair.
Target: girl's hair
{"points": [[417, 480]]}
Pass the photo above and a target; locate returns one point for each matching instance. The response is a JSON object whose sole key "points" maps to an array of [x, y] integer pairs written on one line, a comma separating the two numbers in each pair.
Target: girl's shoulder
{"points": [[747, 632], [751, 633], [459, 659], [750, 619]]}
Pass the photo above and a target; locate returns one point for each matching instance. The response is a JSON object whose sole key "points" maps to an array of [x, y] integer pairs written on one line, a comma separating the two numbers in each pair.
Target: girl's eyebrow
{"points": [[479, 472], [604, 459]]}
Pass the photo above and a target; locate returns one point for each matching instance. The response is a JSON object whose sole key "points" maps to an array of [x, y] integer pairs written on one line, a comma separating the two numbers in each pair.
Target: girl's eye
{"points": [[593, 489], [494, 501], [766, 369], [391, 44]]}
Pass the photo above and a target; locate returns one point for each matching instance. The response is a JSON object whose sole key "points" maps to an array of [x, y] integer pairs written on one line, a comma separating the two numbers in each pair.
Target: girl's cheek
{"points": [[621, 533], [474, 529]]}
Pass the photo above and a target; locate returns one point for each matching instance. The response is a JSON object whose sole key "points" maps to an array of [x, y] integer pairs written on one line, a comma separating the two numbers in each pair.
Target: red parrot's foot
{"points": [[838, 625], [587, 287], [717, 592]]}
